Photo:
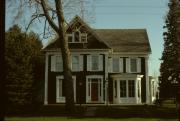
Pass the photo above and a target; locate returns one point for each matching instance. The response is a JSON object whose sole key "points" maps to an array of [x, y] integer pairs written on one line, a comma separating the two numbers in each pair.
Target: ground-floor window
{"points": [[123, 90], [94, 89], [60, 89], [131, 88], [126, 88]]}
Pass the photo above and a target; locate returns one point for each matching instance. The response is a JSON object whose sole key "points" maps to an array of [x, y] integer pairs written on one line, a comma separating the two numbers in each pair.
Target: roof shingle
{"points": [[125, 40]]}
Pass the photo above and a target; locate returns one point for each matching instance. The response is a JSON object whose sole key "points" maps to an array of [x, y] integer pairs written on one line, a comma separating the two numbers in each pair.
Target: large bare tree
{"points": [[52, 12]]}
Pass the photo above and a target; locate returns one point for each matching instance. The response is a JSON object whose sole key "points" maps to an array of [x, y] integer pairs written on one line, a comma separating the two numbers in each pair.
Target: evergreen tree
{"points": [[170, 66], [22, 58]]}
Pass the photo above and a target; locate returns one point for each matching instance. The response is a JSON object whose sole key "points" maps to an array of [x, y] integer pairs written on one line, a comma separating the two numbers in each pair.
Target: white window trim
{"points": [[85, 35], [62, 99], [53, 63], [100, 62], [88, 98], [81, 62], [138, 64], [127, 88], [70, 35], [73, 38], [121, 66]]}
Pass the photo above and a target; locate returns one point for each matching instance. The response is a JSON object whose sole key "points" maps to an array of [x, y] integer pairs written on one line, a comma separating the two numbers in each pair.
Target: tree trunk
{"points": [[60, 30], [69, 89], [2, 61]]}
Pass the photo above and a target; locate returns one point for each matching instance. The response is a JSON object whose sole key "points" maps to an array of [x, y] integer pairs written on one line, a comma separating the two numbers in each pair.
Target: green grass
{"points": [[82, 119], [102, 113]]}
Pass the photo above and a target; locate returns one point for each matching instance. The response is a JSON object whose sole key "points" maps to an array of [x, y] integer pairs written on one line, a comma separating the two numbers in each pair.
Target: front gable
{"points": [[87, 37]]}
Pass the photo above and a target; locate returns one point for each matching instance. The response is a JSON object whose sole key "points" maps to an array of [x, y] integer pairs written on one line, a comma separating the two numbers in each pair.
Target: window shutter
{"points": [[110, 64], [139, 65], [121, 64], [127, 65], [53, 63], [100, 62], [81, 64], [88, 62]]}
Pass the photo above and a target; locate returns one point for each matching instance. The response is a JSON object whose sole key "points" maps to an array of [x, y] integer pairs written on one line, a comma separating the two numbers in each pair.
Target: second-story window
{"points": [[59, 64], [117, 64], [133, 64], [75, 63], [56, 63], [95, 62]]}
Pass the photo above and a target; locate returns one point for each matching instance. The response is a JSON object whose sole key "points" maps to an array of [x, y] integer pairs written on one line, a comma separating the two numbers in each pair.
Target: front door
{"points": [[94, 89]]}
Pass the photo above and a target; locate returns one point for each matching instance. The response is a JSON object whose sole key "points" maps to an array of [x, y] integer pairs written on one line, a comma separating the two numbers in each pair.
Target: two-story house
{"points": [[108, 66]]}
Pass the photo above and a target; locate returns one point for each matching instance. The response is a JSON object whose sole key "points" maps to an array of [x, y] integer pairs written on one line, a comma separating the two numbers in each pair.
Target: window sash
{"points": [[116, 65], [95, 63], [75, 63], [133, 65], [123, 88], [70, 38], [115, 88], [83, 38], [58, 64], [131, 88]]}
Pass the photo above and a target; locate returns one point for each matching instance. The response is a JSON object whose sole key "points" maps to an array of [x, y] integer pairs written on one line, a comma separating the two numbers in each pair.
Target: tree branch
{"points": [[34, 17], [50, 21]]}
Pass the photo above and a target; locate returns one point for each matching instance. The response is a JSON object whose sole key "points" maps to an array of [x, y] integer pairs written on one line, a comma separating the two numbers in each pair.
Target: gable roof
{"points": [[120, 40], [125, 40]]}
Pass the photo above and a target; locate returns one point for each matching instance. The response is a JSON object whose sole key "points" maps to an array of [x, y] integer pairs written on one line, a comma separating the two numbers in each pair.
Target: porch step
{"points": [[90, 111]]}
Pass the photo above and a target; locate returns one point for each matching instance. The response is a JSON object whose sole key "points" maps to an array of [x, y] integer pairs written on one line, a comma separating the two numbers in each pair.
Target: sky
{"points": [[136, 14], [129, 14]]}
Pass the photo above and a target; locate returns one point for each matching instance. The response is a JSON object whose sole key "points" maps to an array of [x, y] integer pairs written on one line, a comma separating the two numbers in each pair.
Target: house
{"points": [[109, 66]]}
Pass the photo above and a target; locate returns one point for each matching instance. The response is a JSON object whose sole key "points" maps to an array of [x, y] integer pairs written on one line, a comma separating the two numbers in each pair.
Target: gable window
{"points": [[76, 36], [70, 38], [75, 63], [83, 38], [117, 64]]}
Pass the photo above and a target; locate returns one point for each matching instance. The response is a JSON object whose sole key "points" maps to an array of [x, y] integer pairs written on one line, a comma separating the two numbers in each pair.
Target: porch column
{"points": [[46, 81], [147, 80], [106, 79], [136, 90]]}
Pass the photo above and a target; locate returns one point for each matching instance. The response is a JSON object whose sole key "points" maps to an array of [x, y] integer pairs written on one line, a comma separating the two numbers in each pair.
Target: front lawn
{"points": [[83, 119], [101, 113]]}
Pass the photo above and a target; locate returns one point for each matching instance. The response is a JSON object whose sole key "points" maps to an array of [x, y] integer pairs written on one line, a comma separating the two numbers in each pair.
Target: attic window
{"points": [[70, 38], [77, 37], [83, 38]]}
